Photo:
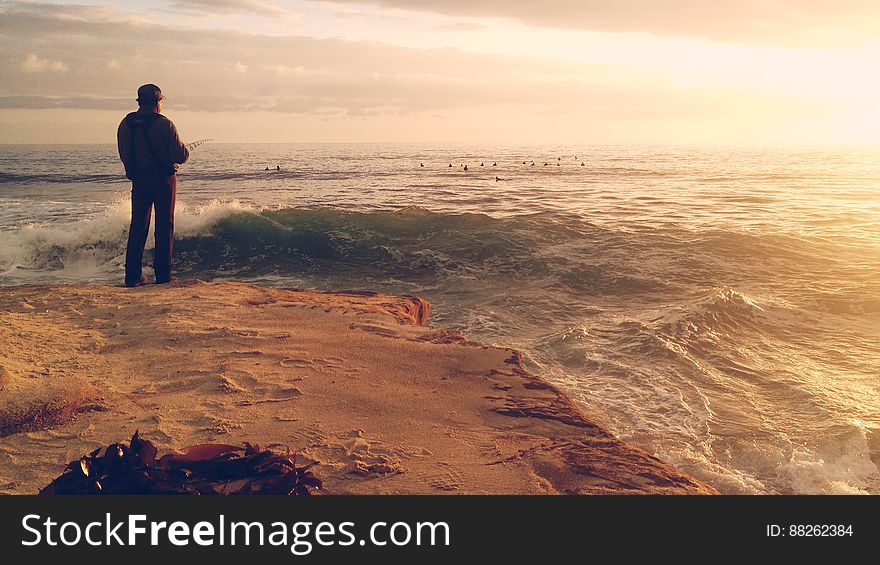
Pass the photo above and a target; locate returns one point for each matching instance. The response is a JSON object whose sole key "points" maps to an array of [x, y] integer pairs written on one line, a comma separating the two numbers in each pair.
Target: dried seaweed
{"points": [[207, 469]]}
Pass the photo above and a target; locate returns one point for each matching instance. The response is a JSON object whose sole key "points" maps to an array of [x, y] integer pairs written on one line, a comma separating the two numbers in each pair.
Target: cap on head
{"points": [[149, 95]]}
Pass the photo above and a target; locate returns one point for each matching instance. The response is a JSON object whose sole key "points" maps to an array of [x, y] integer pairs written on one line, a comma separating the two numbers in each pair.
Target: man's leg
{"points": [[166, 194], [141, 209]]}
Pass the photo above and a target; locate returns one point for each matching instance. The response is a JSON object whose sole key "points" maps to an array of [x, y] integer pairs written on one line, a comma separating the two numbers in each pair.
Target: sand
{"points": [[356, 382]]}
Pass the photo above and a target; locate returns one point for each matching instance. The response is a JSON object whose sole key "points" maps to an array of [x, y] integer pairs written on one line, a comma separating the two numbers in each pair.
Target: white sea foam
{"points": [[842, 466], [93, 249], [725, 478], [198, 219]]}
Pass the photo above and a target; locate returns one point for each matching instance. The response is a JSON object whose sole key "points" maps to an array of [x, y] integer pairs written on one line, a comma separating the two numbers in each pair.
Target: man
{"points": [[151, 151]]}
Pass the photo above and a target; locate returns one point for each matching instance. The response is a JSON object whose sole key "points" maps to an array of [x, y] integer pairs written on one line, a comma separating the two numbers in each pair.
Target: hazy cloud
{"points": [[772, 21], [71, 12], [270, 83], [283, 74], [225, 7], [460, 26], [34, 64], [76, 102]]}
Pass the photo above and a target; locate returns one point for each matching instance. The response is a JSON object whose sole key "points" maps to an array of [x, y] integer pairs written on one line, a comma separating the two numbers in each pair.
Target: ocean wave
{"points": [[557, 253], [92, 249], [720, 309], [605, 279], [115, 177], [847, 462], [59, 178], [413, 243]]}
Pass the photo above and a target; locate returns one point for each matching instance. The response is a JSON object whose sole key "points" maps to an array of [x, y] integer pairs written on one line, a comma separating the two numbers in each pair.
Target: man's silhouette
{"points": [[151, 151]]}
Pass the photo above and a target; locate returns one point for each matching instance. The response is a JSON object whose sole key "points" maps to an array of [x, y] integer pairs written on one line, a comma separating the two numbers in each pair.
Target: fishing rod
{"points": [[195, 144]]}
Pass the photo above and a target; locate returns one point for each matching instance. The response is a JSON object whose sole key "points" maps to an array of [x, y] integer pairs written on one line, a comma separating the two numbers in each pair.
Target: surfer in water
{"points": [[151, 150]]}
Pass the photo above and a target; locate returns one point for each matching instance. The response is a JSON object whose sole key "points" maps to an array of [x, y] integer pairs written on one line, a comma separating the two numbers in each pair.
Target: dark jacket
{"points": [[134, 151]]}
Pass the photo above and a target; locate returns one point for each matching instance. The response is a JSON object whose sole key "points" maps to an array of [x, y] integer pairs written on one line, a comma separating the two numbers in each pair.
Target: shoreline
{"points": [[356, 382]]}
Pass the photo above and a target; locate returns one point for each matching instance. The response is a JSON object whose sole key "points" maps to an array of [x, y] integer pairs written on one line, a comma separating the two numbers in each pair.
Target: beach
{"points": [[357, 383]]}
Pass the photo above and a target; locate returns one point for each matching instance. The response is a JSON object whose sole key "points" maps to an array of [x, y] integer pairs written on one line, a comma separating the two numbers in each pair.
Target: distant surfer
{"points": [[494, 163], [267, 168], [465, 168], [151, 150], [277, 167]]}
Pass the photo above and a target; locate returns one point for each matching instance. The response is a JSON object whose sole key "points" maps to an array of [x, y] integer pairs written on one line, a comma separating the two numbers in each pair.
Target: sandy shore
{"points": [[356, 382]]}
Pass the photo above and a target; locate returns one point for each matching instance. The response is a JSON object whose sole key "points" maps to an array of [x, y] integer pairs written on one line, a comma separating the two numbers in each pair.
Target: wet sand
{"points": [[356, 382]]}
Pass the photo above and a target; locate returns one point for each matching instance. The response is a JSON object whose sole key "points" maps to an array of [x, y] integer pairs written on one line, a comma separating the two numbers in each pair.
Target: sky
{"points": [[754, 72]]}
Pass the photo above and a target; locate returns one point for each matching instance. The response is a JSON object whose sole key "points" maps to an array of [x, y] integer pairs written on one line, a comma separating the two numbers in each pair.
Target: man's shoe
{"points": [[166, 280], [141, 282]]}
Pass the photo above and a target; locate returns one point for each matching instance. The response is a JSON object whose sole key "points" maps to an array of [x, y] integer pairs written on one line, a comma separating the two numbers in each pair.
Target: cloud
{"points": [[201, 71], [764, 21], [34, 64], [283, 74], [231, 7], [460, 26], [31, 102], [71, 12]]}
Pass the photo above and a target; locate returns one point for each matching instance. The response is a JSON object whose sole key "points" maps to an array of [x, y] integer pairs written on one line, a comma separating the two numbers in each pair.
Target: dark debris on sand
{"points": [[207, 469]]}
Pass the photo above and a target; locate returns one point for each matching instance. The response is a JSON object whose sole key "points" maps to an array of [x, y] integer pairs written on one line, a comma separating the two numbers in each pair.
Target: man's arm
{"points": [[176, 149], [123, 143]]}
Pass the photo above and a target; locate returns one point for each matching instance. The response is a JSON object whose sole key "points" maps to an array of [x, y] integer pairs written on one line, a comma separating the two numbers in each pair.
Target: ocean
{"points": [[719, 307]]}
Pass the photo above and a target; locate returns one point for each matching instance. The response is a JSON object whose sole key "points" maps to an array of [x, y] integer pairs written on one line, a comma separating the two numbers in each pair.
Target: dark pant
{"points": [[150, 189]]}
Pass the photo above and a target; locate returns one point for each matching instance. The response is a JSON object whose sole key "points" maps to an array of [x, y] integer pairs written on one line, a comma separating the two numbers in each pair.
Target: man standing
{"points": [[151, 151]]}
